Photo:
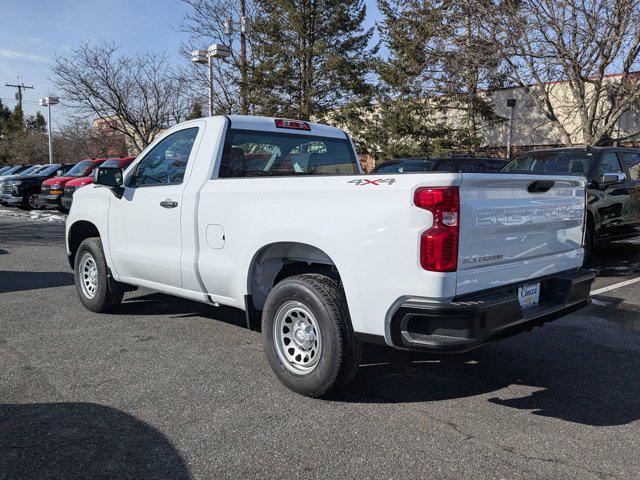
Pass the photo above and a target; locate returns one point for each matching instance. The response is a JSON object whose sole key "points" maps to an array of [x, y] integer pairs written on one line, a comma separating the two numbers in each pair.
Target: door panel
{"points": [[145, 224]]}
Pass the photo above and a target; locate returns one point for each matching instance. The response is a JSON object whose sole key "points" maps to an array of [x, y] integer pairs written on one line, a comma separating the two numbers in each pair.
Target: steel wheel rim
{"points": [[297, 337], [88, 276], [34, 200]]}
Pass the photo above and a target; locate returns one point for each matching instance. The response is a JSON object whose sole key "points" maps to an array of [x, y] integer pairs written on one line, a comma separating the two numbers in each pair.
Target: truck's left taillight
{"points": [[439, 244]]}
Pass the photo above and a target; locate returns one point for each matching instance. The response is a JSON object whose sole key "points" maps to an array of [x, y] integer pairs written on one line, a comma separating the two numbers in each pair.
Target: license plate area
{"points": [[529, 295]]}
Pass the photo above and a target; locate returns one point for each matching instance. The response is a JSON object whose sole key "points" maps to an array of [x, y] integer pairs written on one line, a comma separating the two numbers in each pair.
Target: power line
{"points": [[20, 87]]}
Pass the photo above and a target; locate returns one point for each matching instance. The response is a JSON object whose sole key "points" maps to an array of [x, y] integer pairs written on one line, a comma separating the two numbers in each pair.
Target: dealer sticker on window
{"points": [[529, 295]]}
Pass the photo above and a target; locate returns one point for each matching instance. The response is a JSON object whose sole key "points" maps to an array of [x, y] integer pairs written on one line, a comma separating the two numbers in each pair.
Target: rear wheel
{"points": [[307, 335], [98, 292]]}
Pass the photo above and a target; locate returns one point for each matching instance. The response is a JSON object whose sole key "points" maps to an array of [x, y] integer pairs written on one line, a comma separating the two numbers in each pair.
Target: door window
{"points": [[610, 164], [633, 163], [166, 163]]}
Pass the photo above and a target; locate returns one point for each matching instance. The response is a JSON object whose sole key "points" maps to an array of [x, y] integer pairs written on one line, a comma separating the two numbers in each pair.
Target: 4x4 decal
{"points": [[363, 181]]}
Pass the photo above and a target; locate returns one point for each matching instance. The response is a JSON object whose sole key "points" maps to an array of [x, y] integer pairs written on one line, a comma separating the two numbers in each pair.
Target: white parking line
{"points": [[615, 285]]}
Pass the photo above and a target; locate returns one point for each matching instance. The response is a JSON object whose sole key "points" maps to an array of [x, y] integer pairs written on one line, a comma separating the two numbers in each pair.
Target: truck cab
{"points": [[274, 217]]}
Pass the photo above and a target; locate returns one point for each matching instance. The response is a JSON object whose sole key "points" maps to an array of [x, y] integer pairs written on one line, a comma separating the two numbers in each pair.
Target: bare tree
{"points": [[563, 53], [76, 140], [138, 96], [204, 24]]}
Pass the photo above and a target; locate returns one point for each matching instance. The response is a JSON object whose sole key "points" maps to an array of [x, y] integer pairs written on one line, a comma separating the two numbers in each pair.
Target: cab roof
{"points": [[268, 124]]}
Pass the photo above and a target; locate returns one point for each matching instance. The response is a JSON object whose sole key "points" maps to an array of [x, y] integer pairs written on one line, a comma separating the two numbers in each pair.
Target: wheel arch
{"points": [[78, 232], [275, 262]]}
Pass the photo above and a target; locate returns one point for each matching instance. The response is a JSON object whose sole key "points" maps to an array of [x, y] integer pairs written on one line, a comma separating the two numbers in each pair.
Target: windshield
{"points": [[14, 169], [4, 169], [79, 169], [256, 153], [48, 169], [558, 162], [31, 170], [113, 163]]}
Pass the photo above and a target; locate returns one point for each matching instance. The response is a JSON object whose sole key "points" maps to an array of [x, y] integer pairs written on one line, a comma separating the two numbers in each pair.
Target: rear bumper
{"points": [[474, 320]]}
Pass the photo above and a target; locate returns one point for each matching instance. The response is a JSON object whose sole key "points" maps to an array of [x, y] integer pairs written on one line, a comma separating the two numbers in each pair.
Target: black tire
{"points": [[341, 350], [28, 201], [107, 293]]}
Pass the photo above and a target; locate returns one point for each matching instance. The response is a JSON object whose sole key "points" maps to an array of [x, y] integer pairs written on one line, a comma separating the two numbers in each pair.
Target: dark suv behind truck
{"points": [[613, 181], [24, 190]]}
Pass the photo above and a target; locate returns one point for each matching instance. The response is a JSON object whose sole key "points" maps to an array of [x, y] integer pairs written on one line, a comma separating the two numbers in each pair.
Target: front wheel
{"points": [[31, 201], [98, 292], [307, 335]]}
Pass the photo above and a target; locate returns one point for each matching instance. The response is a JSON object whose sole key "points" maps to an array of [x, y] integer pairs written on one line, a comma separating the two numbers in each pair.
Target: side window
{"points": [[633, 162], [166, 163], [609, 164]]}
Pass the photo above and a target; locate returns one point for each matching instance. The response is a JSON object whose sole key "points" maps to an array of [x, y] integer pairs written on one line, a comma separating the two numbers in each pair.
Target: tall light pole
{"points": [[511, 103], [48, 102], [205, 57]]}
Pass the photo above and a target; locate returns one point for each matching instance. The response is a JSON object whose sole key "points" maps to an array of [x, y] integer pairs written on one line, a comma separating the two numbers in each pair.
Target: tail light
{"points": [[439, 244]]}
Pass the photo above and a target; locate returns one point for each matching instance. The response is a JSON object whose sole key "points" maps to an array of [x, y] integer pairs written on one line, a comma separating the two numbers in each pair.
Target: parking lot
{"points": [[169, 388]]}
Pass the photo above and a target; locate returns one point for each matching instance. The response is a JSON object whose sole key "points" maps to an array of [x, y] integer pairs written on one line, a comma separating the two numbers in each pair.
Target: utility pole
{"points": [[243, 60], [19, 94], [511, 103]]}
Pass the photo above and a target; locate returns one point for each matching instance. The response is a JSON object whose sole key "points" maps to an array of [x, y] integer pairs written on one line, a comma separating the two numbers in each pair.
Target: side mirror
{"points": [[609, 178], [110, 177]]}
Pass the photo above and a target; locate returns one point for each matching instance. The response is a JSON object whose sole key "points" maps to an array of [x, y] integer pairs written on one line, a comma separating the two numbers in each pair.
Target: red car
{"points": [[73, 185], [53, 189]]}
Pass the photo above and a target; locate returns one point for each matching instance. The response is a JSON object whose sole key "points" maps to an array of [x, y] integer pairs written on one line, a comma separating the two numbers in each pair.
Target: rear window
{"points": [[113, 163], [254, 154], [563, 163]]}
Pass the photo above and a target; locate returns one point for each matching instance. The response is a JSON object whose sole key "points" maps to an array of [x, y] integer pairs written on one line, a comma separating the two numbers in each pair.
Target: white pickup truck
{"points": [[274, 217]]}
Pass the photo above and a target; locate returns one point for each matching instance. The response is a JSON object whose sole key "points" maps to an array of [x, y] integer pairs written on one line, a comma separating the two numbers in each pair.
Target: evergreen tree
{"points": [[310, 56], [36, 123], [438, 61], [195, 112]]}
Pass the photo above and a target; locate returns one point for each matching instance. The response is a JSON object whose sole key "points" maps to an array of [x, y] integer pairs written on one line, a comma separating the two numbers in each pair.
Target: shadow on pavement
{"points": [[12, 281], [82, 440], [161, 304], [617, 259], [562, 374]]}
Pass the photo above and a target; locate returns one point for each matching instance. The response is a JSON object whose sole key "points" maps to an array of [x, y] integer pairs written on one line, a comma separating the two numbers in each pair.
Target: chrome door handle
{"points": [[168, 204]]}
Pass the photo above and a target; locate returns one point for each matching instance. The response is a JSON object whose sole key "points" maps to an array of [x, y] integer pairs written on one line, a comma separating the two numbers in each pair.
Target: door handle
{"points": [[168, 204]]}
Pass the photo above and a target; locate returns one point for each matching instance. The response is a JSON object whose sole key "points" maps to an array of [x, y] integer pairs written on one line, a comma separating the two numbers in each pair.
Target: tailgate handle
{"points": [[541, 186]]}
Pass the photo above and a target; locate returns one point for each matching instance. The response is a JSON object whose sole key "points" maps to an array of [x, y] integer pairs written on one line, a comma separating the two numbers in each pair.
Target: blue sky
{"points": [[34, 31]]}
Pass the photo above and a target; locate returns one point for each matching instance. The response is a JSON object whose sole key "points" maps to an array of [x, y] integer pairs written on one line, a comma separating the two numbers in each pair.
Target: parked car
{"points": [[462, 164], [273, 216], [14, 170], [53, 188], [72, 185], [24, 190], [26, 170], [613, 186]]}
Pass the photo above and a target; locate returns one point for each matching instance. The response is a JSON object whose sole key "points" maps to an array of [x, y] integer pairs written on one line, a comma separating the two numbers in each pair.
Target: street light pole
{"points": [[48, 102], [205, 57], [511, 103]]}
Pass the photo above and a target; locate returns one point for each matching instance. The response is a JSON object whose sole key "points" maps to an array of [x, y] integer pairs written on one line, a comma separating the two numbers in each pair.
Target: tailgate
{"points": [[517, 227]]}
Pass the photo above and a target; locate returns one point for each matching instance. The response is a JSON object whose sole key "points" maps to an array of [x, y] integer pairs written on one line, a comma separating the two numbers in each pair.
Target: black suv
{"points": [[24, 190], [613, 186], [456, 163]]}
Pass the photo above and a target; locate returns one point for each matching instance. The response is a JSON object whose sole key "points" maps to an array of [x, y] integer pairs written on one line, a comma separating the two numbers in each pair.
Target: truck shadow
{"points": [[83, 440], [16, 281], [161, 304], [617, 259], [565, 372]]}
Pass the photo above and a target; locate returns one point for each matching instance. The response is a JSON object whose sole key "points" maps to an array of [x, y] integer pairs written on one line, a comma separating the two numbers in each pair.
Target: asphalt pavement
{"points": [[171, 389]]}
